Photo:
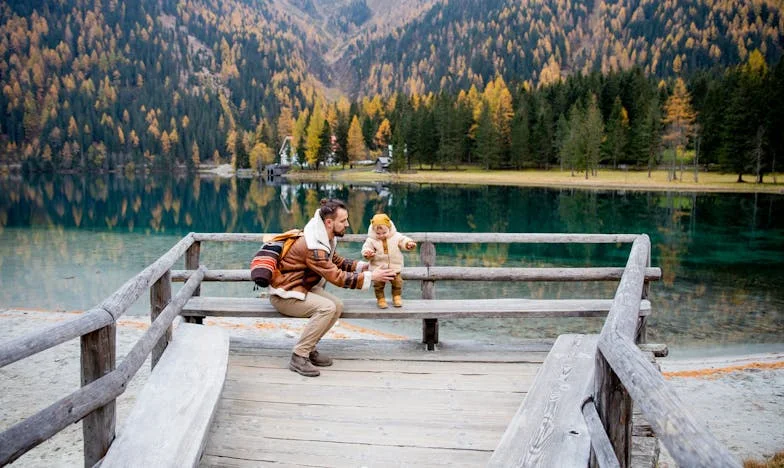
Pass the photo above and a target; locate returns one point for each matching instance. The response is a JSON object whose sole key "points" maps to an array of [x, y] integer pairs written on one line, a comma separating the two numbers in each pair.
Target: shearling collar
{"points": [[316, 235]]}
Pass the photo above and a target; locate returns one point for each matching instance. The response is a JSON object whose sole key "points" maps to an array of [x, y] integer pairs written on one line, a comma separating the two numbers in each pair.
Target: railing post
{"points": [[192, 263], [642, 322], [427, 254], [614, 405], [160, 296], [99, 355]]}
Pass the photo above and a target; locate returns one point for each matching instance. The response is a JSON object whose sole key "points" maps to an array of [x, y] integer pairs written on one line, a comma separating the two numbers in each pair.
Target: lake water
{"points": [[67, 242]]}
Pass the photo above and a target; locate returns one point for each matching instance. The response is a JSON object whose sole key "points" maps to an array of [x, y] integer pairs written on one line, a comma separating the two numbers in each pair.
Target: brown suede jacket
{"points": [[302, 269]]}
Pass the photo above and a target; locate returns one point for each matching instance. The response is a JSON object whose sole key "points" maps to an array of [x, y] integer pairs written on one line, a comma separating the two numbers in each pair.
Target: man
{"points": [[297, 289]]}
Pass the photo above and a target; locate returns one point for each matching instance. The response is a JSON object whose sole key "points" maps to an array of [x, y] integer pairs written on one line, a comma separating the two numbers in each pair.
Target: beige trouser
{"points": [[397, 287], [323, 308]]}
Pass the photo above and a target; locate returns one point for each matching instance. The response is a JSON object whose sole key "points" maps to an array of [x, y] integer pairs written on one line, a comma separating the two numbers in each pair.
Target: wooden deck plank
{"points": [[278, 451], [337, 377], [296, 392], [532, 351], [410, 367]]}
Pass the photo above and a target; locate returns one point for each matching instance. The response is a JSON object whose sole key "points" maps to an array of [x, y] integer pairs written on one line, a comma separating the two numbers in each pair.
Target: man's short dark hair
{"points": [[329, 208]]}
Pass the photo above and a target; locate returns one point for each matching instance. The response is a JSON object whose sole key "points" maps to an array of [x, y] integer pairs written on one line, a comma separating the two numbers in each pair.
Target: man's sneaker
{"points": [[320, 360], [303, 366]]}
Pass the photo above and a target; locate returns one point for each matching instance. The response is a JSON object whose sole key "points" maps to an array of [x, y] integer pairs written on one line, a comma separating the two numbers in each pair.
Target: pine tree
{"points": [[241, 159], [617, 127], [325, 144]]}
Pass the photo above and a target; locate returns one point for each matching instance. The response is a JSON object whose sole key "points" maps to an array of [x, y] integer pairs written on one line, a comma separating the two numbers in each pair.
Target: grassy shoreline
{"points": [[606, 179]]}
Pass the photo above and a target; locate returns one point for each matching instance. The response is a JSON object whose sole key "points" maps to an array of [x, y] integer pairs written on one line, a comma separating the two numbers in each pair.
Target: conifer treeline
{"points": [[732, 120]]}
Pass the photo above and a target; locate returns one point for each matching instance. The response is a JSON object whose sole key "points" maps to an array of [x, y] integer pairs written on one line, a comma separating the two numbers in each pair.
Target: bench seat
{"points": [[202, 306], [171, 417], [549, 428]]}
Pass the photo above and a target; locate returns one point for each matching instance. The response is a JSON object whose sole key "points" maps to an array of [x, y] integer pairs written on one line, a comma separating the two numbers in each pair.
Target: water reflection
{"points": [[66, 242]]}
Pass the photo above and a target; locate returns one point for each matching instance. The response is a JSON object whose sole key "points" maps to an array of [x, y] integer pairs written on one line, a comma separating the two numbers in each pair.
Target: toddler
{"points": [[383, 249]]}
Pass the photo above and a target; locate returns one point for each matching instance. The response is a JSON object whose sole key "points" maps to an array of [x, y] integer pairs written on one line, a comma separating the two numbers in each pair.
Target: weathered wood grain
{"points": [[415, 308], [427, 255], [98, 358], [160, 295], [192, 256], [549, 429], [177, 402], [602, 449]]}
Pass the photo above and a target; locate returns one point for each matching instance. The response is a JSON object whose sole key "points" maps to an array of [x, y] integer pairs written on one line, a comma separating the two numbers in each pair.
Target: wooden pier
{"points": [[560, 401]]}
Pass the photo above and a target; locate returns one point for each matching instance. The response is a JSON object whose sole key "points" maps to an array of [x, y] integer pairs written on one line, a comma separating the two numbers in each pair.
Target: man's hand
{"points": [[383, 275]]}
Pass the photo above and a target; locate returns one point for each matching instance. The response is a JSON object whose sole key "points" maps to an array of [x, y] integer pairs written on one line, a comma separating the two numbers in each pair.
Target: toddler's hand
{"points": [[410, 245], [369, 254]]}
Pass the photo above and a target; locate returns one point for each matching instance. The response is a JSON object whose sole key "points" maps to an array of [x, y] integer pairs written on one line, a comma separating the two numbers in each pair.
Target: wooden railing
{"points": [[622, 362], [624, 374], [102, 381]]}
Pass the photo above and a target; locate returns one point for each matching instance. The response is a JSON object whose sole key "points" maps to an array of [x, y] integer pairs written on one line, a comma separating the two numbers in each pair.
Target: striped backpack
{"points": [[265, 262]]}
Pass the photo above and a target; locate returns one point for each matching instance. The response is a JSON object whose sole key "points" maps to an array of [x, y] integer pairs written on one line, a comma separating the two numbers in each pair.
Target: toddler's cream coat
{"points": [[388, 251]]}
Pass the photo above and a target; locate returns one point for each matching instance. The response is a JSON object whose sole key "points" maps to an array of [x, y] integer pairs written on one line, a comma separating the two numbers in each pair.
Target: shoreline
{"points": [[739, 398], [638, 181]]}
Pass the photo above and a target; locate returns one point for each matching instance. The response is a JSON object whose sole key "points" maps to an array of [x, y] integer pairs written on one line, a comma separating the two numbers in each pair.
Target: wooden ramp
{"points": [[382, 403]]}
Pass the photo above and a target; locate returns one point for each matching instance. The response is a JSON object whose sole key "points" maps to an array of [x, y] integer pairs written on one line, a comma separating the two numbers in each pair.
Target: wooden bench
{"points": [[549, 428], [170, 420], [199, 307]]}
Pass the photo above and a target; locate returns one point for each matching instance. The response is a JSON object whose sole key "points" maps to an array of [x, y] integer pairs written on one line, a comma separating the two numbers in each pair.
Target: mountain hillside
{"points": [[459, 43], [100, 84]]}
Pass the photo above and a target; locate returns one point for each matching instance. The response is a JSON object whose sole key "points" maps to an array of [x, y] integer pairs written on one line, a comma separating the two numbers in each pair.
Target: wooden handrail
{"points": [[99, 316], [623, 374], [463, 274], [454, 238], [27, 434]]}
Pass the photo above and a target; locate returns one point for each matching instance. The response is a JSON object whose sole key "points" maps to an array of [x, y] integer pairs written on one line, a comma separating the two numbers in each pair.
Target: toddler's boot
{"points": [[397, 301], [381, 302]]}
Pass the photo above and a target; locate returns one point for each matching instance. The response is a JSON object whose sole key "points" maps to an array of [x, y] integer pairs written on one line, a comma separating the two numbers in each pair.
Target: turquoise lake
{"points": [[67, 242]]}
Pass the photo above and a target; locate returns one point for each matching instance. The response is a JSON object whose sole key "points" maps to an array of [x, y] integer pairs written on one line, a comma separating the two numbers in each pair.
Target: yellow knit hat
{"points": [[381, 220]]}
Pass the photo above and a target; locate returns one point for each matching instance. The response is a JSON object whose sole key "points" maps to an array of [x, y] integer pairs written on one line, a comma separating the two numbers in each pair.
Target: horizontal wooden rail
{"points": [[24, 346], [99, 316], [463, 274], [454, 238], [26, 434]]}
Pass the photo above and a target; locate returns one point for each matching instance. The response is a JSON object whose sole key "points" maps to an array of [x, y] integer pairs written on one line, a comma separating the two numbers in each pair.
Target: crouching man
{"points": [[297, 288]]}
